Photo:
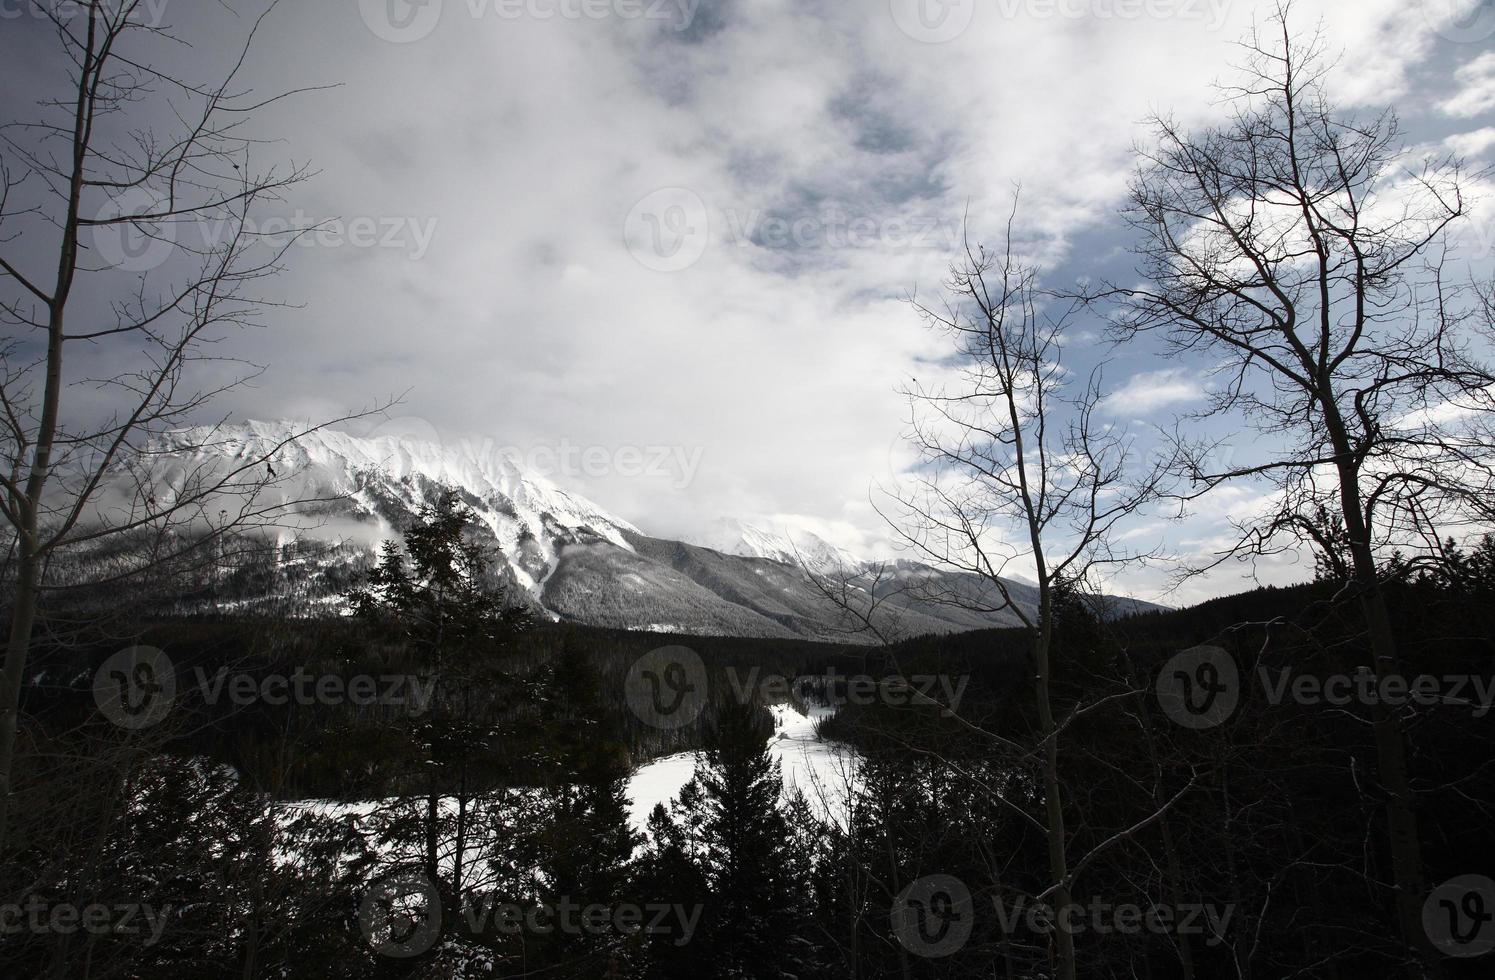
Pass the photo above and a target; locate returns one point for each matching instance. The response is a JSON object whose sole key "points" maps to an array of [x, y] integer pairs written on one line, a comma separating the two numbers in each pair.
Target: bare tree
{"points": [[1304, 250], [867, 600], [139, 249], [1021, 473]]}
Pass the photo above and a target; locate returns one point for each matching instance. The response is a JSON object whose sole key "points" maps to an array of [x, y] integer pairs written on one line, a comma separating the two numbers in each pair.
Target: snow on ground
{"points": [[658, 782], [822, 770]]}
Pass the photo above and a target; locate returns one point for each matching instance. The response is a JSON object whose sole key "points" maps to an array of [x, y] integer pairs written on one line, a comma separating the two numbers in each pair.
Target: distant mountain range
{"points": [[734, 537], [569, 559]]}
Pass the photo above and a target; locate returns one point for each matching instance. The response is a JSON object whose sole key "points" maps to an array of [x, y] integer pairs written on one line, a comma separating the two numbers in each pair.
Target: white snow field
{"points": [[824, 771]]}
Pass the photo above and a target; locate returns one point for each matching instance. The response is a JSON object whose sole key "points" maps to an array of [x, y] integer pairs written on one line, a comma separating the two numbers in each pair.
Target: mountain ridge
{"points": [[568, 558]]}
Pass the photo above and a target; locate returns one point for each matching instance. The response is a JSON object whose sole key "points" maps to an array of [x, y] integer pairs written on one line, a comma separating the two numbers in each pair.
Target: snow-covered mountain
{"points": [[385, 480], [731, 536], [556, 551]]}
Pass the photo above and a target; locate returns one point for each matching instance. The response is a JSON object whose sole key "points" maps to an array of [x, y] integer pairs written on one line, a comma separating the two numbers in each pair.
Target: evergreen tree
{"points": [[436, 593], [671, 873], [585, 844], [754, 890]]}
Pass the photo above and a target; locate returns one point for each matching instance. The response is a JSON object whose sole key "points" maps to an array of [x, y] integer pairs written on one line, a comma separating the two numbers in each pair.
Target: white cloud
{"points": [[529, 142], [1152, 390], [1477, 88], [1471, 144]]}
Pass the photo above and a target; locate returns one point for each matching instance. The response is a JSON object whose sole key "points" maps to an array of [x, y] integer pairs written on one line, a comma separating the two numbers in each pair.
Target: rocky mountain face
{"points": [[568, 558]]}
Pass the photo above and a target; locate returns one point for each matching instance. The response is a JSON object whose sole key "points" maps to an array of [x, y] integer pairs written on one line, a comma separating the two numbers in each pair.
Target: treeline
{"points": [[498, 842], [1264, 828], [351, 751], [488, 834]]}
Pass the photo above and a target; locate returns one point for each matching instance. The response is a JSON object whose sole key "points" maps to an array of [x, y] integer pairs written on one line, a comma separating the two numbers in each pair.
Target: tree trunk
{"points": [[433, 816], [895, 881], [1403, 838], [1053, 801], [1172, 866], [1391, 750], [22, 619]]}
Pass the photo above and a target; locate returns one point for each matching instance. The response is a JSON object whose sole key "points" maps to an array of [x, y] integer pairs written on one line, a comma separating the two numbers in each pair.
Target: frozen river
{"points": [[822, 770]]}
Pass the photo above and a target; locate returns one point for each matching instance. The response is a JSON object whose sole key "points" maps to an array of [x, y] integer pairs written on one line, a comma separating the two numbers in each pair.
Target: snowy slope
{"points": [[801, 548], [568, 557], [386, 480]]}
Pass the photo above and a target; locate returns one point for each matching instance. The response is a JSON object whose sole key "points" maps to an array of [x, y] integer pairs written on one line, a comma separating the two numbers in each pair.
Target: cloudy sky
{"points": [[693, 224]]}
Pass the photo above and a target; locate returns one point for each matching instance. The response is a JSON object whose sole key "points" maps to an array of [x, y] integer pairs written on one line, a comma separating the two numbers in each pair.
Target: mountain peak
{"points": [[386, 478], [570, 557], [731, 536]]}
